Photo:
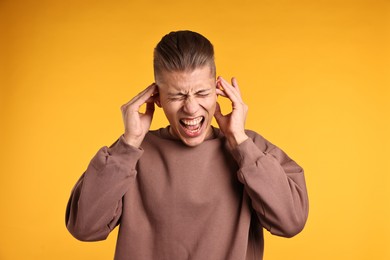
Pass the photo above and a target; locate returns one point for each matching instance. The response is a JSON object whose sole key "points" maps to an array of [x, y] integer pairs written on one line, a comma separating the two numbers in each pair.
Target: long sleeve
{"points": [[275, 185], [95, 205]]}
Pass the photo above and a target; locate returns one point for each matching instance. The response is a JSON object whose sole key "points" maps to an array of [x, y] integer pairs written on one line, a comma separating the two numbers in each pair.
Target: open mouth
{"points": [[193, 126]]}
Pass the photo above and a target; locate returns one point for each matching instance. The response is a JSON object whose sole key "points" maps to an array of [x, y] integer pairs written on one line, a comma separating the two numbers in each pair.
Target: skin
{"points": [[185, 97], [188, 96]]}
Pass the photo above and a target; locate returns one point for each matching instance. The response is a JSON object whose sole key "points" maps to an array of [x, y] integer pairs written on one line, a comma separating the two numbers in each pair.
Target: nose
{"points": [[191, 106]]}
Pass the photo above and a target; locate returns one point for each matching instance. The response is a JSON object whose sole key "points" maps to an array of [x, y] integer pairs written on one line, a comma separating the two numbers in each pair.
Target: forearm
{"points": [[276, 186], [95, 205]]}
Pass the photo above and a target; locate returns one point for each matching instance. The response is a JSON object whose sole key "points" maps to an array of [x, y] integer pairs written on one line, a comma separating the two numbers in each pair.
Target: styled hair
{"points": [[183, 51]]}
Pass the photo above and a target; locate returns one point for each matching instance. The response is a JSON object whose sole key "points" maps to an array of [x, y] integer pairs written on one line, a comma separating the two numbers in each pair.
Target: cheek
{"points": [[170, 109], [209, 104]]}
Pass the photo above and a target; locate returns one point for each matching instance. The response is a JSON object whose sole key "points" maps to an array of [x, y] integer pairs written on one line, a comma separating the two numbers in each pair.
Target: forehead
{"points": [[199, 78]]}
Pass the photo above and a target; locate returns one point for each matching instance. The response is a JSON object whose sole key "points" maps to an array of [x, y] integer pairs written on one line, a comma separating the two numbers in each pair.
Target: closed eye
{"points": [[202, 93], [177, 97]]}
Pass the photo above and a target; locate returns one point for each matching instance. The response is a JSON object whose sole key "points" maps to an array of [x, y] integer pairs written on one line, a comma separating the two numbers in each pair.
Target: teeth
{"points": [[194, 121]]}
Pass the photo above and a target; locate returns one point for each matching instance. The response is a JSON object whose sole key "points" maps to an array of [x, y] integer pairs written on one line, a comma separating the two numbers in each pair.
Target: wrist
{"points": [[136, 142], [236, 140]]}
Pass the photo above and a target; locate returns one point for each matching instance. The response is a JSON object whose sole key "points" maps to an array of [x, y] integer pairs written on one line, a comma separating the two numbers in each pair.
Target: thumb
{"points": [[149, 109], [217, 114]]}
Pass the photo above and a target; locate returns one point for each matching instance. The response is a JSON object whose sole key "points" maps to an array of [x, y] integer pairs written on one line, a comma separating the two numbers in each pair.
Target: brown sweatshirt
{"points": [[177, 202]]}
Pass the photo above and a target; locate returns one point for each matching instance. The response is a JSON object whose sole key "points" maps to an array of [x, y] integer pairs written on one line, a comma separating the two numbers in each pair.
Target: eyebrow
{"points": [[176, 94]]}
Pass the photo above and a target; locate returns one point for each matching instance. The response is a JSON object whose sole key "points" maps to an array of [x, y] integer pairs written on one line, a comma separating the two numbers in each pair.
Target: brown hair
{"points": [[183, 51]]}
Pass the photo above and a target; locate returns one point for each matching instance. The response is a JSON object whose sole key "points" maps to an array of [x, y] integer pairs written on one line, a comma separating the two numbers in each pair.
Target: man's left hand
{"points": [[232, 124]]}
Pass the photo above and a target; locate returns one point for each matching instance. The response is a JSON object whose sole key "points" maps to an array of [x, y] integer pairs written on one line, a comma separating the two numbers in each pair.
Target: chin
{"points": [[192, 142], [192, 137]]}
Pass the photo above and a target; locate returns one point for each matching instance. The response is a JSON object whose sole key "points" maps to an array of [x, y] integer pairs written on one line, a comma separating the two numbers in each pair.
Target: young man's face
{"points": [[188, 100]]}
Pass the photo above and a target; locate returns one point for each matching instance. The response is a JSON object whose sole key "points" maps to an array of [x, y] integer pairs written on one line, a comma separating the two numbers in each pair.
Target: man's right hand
{"points": [[136, 123]]}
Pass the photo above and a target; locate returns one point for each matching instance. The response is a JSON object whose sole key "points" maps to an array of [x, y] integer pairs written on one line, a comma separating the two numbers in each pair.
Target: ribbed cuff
{"points": [[121, 148], [247, 153]]}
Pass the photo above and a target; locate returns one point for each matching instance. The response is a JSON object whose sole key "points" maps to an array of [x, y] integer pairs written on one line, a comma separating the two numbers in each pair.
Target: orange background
{"points": [[315, 75]]}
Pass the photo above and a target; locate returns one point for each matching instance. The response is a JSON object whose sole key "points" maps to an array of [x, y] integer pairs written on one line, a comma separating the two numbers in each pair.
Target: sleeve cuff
{"points": [[122, 149], [247, 153]]}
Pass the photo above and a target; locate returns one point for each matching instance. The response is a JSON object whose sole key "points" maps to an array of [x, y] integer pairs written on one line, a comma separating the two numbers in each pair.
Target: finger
{"points": [[227, 86], [230, 91], [142, 97], [235, 84], [151, 99], [149, 109], [218, 114], [219, 89], [221, 93]]}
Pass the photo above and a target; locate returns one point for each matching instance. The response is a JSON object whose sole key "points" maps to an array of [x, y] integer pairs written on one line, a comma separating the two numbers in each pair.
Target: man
{"points": [[190, 190]]}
